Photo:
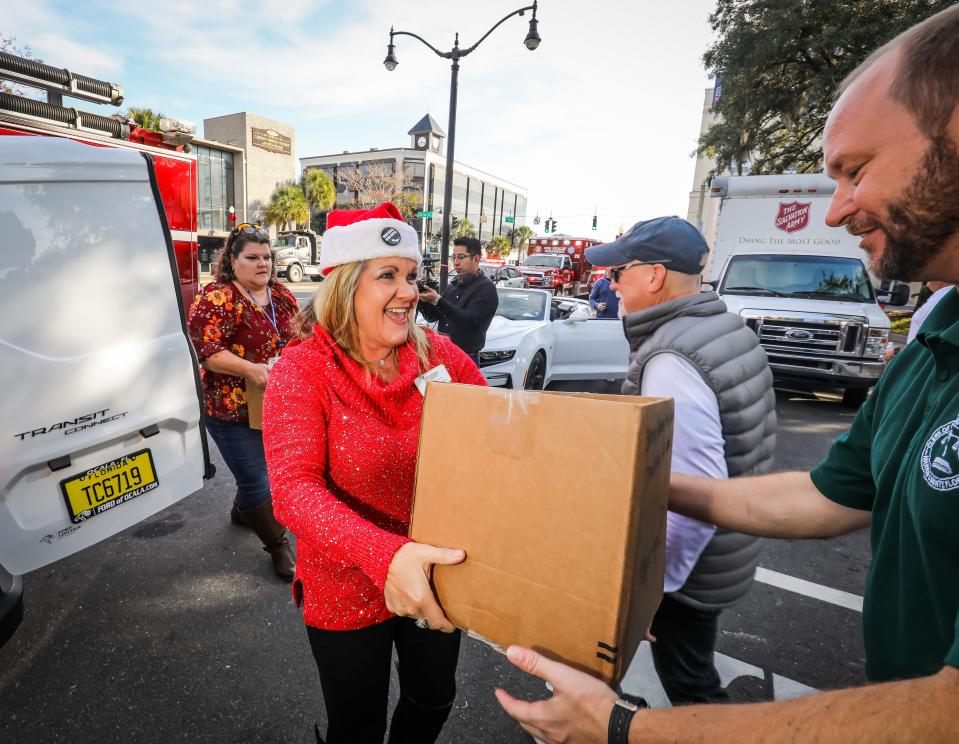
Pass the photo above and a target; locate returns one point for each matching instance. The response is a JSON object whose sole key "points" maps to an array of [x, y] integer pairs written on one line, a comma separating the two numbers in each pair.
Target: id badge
{"points": [[437, 374]]}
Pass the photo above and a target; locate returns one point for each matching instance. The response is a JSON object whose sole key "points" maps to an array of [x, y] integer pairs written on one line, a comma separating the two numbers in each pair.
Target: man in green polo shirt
{"points": [[892, 145], [900, 461]]}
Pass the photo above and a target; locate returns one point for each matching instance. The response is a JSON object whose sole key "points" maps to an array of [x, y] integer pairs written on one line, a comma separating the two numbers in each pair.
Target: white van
{"points": [[801, 285], [101, 424]]}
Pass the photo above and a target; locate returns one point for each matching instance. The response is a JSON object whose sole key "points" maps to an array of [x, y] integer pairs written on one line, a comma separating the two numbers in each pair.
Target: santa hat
{"points": [[362, 234]]}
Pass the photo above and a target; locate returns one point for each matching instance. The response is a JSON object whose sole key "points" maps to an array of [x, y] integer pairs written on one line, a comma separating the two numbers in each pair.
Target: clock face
{"points": [[421, 141], [436, 142]]}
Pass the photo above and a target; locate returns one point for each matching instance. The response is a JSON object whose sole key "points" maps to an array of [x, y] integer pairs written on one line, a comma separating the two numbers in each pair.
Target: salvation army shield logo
{"points": [[793, 216], [940, 457]]}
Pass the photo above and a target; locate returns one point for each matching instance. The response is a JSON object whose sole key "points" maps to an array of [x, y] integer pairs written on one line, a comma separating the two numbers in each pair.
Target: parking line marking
{"points": [[641, 678], [809, 589]]}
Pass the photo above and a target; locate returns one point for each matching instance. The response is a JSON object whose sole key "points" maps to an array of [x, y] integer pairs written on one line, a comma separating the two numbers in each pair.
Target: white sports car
{"points": [[536, 338]]}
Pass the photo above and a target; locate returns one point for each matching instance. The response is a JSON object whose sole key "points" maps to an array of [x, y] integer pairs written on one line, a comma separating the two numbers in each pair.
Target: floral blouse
{"points": [[225, 317]]}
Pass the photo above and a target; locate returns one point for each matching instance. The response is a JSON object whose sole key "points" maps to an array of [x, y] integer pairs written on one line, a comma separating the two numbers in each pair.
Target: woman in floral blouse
{"points": [[238, 324]]}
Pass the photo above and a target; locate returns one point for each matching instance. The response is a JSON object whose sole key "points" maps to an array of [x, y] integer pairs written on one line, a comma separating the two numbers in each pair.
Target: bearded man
{"points": [[892, 144]]}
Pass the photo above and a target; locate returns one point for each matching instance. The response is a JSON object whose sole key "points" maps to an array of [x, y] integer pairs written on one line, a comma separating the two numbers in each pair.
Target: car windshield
{"points": [[543, 259], [818, 277], [519, 305], [285, 241], [489, 270]]}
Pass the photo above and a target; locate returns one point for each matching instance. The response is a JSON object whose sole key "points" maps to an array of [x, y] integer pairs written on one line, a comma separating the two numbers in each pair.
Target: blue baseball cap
{"points": [[669, 241]]}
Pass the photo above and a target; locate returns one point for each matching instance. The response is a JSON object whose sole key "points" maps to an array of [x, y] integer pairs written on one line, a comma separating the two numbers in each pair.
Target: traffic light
{"points": [[454, 222], [554, 224], [594, 221]]}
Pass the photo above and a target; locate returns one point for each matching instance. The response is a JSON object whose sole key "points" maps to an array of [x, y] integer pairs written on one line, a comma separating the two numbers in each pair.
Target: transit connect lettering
{"points": [[70, 426], [96, 423]]}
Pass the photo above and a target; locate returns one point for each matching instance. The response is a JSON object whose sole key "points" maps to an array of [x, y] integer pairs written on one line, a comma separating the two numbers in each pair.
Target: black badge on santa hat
{"points": [[391, 236]]}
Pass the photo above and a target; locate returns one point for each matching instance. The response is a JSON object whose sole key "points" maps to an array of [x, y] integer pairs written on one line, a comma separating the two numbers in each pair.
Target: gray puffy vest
{"points": [[734, 366]]}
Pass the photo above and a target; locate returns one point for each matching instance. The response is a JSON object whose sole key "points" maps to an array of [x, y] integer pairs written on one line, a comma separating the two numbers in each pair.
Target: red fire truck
{"points": [[558, 263], [174, 166]]}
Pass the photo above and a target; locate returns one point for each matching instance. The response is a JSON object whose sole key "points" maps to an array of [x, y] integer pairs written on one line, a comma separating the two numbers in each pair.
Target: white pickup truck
{"points": [[801, 285], [296, 254]]}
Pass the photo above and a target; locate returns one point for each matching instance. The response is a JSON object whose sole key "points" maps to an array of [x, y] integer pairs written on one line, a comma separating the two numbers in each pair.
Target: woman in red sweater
{"points": [[340, 427]]}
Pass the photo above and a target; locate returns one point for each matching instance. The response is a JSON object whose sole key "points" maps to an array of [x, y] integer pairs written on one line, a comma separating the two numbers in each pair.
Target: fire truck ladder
{"points": [[59, 82]]}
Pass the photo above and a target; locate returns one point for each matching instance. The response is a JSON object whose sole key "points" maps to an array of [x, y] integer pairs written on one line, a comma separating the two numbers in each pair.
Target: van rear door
{"points": [[101, 424]]}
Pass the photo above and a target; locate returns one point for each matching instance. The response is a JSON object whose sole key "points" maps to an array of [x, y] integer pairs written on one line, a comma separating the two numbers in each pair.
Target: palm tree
{"points": [[463, 229], [145, 118], [498, 245], [287, 205], [520, 237], [318, 189]]}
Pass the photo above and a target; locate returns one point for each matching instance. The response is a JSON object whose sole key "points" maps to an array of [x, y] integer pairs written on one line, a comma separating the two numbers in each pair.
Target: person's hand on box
{"points": [[408, 592], [258, 374], [577, 713]]}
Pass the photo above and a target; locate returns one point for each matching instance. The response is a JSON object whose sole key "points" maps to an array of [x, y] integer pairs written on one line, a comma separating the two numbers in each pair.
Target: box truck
{"points": [[802, 286]]}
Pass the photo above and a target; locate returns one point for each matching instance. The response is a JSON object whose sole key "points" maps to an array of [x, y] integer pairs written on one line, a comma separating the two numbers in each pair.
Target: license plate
{"points": [[109, 485]]}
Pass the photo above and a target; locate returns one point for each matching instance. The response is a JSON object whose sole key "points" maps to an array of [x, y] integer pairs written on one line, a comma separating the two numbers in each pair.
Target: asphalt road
{"points": [[176, 631]]}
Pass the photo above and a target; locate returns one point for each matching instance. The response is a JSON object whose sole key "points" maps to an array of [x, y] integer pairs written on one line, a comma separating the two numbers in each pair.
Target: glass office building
{"points": [[482, 198]]}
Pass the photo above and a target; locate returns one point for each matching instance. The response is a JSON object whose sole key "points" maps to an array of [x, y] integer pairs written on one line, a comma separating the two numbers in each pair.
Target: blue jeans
{"points": [[242, 449]]}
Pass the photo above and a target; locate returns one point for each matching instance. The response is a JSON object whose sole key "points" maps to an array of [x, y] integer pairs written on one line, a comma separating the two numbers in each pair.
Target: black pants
{"points": [[354, 668], [683, 653]]}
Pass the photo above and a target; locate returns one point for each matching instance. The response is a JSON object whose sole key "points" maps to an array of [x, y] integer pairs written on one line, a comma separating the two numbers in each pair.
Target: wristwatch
{"points": [[622, 714]]}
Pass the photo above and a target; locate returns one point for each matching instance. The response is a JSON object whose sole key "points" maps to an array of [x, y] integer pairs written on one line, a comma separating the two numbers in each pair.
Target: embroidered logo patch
{"points": [[940, 457], [390, 236]]}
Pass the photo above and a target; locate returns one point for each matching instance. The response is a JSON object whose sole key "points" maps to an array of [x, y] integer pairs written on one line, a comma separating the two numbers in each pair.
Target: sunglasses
{"points": [[248, 228], [617, 271]]}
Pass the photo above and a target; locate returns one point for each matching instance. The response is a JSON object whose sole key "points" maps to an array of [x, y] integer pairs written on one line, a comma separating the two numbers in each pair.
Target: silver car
{"points": [[503, 276]]}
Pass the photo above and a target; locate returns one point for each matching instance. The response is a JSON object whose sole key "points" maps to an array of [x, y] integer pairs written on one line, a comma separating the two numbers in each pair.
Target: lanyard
{"points": [[271, 317]]}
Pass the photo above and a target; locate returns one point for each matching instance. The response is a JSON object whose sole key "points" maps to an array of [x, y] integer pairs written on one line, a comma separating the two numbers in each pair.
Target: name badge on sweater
{"points": [[437, 374]]}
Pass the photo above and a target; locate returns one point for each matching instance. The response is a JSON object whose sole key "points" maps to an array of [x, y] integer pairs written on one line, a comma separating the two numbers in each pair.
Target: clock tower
{"points": [[426, 134]]}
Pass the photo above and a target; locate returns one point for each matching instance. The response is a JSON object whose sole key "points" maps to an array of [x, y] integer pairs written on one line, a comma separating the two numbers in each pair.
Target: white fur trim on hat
{"points": [[366, 239]]}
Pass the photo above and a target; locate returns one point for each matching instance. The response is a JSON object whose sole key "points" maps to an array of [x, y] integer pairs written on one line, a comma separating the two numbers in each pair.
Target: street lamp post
{"points": [[455, 54]]}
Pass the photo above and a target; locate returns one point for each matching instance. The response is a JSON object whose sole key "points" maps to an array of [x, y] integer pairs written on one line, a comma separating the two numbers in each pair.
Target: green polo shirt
{"points": [[900, 460]]}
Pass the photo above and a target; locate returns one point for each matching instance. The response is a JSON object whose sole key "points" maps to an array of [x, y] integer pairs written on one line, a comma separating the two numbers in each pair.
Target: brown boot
{"points": [[237, 517], [274, 538]]}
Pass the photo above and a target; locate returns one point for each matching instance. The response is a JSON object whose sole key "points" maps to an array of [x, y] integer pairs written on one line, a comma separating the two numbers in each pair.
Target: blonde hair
{"points": [[333, 310]]}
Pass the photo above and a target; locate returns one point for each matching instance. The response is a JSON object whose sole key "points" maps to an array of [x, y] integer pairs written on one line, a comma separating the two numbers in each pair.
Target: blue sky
{"points": [[604, 114]]}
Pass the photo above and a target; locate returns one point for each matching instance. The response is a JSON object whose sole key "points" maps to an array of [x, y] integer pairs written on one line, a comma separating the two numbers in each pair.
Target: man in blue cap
{"points": [[684, 345]]}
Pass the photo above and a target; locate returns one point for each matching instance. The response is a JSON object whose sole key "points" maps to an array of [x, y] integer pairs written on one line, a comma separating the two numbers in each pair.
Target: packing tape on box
{"points": [[487, 641], [505, 438]]}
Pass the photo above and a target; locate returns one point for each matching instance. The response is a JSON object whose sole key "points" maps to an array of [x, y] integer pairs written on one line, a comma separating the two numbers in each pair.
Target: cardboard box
{"points": [[559, 500], [254, 404]]}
